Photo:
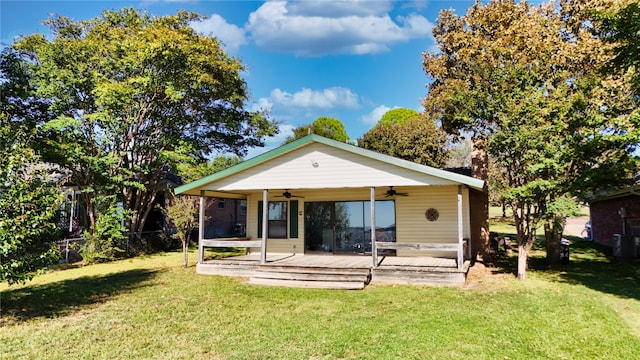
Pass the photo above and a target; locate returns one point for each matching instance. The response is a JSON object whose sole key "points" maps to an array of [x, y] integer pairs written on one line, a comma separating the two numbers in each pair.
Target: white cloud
{"points": [[329, 98], [231, 36], [375, 115], [313, 28], [263, 104], [339, 8]]}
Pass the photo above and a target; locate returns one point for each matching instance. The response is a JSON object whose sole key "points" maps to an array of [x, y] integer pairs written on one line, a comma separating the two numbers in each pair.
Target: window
{"points": [[243, 207], [345, 226], [277, 220], [221, 203]]}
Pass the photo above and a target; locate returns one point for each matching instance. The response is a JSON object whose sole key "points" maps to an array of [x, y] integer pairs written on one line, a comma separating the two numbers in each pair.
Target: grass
{"points": [[150, 307]]}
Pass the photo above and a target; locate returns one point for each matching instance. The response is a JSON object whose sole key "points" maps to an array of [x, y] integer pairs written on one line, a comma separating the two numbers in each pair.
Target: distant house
{"points": [[615, 220], [317, 196]]}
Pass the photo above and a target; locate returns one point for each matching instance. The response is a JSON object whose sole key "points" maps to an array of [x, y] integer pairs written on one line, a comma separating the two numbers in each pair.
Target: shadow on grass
{"points": [[68, 296], [591, 265]]}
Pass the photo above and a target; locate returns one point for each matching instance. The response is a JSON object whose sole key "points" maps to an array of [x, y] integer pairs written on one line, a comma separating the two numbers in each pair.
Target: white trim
{"points": [[265, 215], [372, 205], [460, 229], [201, 229]]}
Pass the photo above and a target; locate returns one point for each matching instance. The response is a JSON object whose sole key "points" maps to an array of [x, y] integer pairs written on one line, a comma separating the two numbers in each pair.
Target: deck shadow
{"points": [[68, 296]]}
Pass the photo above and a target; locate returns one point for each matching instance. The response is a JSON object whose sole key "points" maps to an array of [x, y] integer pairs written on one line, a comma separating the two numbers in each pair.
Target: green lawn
{"points": [[150, 308]]}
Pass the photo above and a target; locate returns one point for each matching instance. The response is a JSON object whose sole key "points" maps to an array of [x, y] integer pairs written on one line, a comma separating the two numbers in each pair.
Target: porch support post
{"points": [[201, 229], [265, 217], [372, 204], [460, 227]]}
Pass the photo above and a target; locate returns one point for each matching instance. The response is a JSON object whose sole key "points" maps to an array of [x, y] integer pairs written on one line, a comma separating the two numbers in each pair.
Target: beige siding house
{"points": [[323, 197]]}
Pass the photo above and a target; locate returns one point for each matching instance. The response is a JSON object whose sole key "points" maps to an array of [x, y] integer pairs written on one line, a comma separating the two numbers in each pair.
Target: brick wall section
{"points": [[479, 221], [605, 220], [479, 205]]}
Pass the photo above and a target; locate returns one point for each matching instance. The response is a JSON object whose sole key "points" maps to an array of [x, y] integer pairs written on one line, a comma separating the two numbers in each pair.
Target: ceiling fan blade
{"points": [[392, 192]]}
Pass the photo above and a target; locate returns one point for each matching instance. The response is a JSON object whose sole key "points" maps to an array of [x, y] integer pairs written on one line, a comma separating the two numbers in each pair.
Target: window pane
{"points": [[277, 227], [278, 210]]}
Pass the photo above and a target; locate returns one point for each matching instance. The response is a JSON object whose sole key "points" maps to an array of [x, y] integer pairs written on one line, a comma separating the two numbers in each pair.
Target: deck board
{"points": [[288, 269]]}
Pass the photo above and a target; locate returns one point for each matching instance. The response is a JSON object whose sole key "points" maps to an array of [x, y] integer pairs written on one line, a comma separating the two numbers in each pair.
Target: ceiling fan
{"points": [[288, 195], [392, 192]]}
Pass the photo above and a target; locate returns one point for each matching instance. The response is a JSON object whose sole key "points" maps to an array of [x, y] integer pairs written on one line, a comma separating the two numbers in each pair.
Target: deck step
{"points": [[314, 270], [421, 275], [311, 277], [340, 285]]}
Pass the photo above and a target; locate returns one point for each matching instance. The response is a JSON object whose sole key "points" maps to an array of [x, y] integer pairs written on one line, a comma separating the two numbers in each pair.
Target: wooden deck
{"points": [[337, 271]]}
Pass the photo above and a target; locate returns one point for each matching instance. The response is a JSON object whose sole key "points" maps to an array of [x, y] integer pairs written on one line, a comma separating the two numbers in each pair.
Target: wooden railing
{"points": [[231, 242], [235, 242], [458, 248]]}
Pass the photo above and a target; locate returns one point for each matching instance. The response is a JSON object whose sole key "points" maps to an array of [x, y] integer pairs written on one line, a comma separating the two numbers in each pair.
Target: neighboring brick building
{"points": [[616, 212], [225, 218]]}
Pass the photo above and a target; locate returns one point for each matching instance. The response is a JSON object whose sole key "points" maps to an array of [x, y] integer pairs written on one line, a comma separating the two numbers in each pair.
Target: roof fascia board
{"points": [[244, 165]]}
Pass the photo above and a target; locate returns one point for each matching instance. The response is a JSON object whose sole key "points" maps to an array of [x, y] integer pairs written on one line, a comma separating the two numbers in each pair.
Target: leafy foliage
{"points": [[398, 116], [107, 240], [621, 28], [416, 139], [29, 201], [182, 212], [131, 95], [29, 192], [324, 126], [524, 81]]}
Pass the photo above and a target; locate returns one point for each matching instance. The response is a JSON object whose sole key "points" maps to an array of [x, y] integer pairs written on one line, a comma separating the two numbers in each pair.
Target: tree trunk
{"points": [[522, 262], [553, 238], [90, 213], [143, 209], [185, 252]]}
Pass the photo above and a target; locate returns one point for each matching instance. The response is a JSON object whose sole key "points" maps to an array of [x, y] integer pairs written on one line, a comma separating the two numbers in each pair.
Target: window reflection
{"points": [[345, 227]]}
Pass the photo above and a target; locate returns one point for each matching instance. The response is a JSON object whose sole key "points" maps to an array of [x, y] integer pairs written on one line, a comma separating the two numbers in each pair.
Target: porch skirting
{"points": [[337, 271]]}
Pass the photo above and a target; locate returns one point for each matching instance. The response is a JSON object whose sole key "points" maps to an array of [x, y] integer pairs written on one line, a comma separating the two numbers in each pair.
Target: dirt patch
{"points": [[480, 274]]}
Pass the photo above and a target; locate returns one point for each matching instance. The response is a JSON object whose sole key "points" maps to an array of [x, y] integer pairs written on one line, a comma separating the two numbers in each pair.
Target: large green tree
{"points": [[324, 126], [29, 205], [620, 26], [414, 138], [29, 192], [524, 81], [131, 95]]}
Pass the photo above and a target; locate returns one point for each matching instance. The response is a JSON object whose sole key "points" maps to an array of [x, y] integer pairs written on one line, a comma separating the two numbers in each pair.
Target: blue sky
{"points": [[351, 60]]}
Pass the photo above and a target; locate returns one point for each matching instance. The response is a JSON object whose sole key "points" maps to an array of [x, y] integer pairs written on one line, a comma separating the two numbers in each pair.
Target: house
{"points": [[316, 200], [615, 220]]}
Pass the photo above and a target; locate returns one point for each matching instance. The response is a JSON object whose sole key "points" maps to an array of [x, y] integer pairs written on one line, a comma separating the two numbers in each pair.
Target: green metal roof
{"points": [[313, 138]]}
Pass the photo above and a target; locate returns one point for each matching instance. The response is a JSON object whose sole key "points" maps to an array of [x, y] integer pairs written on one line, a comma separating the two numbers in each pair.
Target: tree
{"points": [[324, 126], [523, 81], [460, 153], [29, 200], [416, 139], [182, 211], [29, 193], [398, 116], [621, 27], [132, 95]]}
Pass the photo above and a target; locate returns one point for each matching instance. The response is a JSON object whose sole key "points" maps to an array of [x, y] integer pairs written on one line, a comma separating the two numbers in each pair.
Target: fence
{"points": [[70, 248]]}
